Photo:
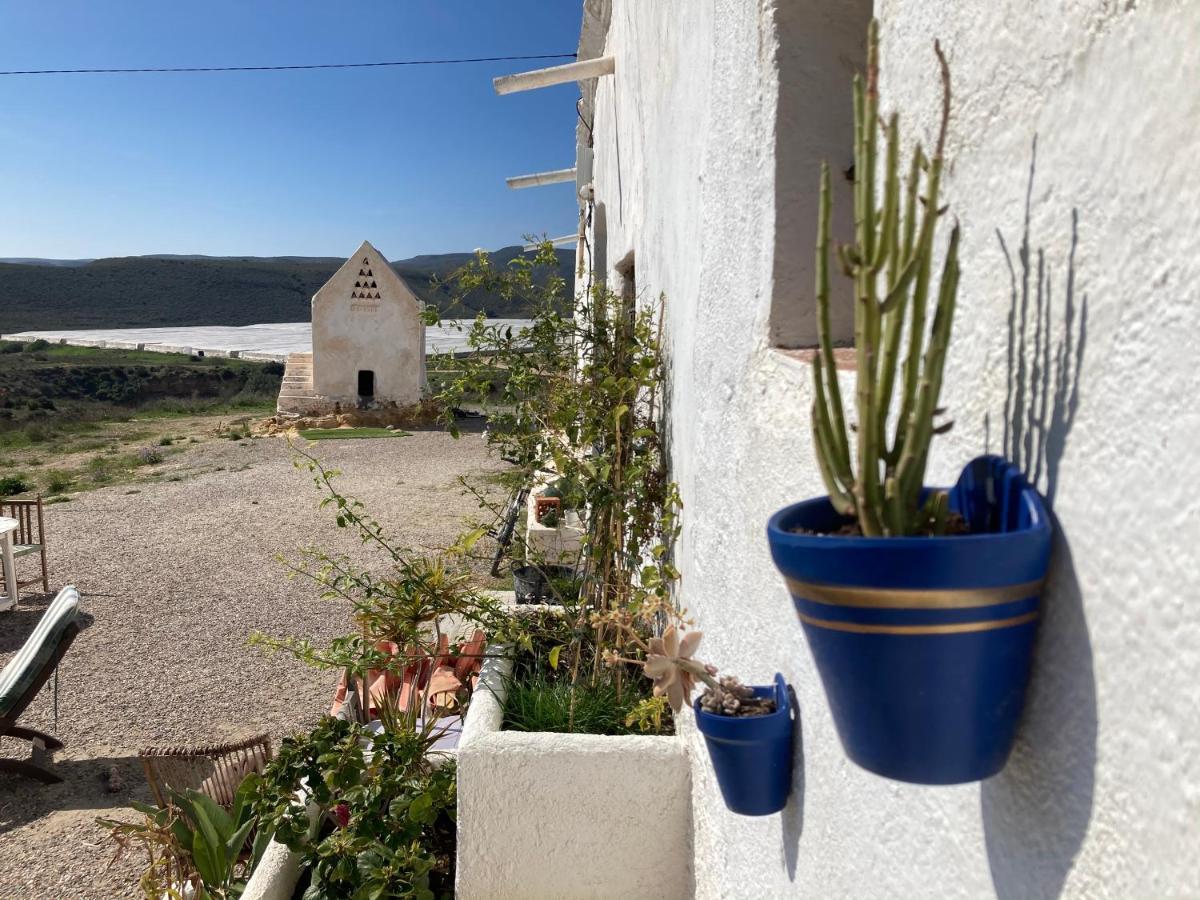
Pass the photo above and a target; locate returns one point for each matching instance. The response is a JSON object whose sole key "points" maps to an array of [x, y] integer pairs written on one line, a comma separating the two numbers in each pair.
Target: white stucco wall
{"points": [[383, 334], [1102, 796]]}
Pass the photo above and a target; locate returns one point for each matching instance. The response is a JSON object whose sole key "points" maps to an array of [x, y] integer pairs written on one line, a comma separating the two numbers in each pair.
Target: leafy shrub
{"points": [[59, 480], [36, 345], [387, 825], [12, 484], [195, 847], [99, 469], [10, 347], [165, 441], [259, 381], [38, 434]]}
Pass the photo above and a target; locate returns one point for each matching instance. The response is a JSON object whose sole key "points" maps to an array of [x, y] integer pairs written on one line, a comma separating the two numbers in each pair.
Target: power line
{"points": [[364, 65]]}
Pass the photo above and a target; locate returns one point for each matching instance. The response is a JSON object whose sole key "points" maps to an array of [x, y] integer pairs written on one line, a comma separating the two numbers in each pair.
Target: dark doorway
{"points": [[366, 383]]}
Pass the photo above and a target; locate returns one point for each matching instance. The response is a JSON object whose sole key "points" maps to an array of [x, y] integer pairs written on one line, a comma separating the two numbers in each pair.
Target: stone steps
{"points": [[296, 391], [298, 377]]}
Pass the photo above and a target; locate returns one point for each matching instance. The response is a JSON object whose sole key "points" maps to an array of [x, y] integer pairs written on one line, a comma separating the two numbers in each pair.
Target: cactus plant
{"points": [[891, 263]]}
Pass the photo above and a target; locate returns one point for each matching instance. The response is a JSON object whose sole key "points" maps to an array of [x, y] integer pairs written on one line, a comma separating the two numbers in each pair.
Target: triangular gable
{"points": [[369, 276]]}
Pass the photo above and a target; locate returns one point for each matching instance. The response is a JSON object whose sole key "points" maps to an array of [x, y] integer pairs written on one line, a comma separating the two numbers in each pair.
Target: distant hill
{"points": [[148, 291]]}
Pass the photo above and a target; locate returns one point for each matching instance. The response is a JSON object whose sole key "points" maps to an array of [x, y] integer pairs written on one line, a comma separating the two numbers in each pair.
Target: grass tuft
{"points": [[540, 702]]}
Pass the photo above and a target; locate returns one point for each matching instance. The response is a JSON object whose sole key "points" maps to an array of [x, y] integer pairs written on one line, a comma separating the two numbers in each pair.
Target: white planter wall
{"points": [[566, 815]]}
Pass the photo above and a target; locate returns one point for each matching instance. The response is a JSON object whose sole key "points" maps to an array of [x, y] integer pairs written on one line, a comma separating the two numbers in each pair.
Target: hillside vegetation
{"points": [[148, 291], [73, 418]]}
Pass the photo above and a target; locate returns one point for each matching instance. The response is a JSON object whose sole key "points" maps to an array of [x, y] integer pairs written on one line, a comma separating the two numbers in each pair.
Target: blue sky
{"points": [[305, 163]]}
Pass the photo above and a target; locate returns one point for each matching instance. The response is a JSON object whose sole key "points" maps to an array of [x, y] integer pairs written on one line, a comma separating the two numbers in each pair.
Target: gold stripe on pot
{"points": [[955, 628], [909, 598]]}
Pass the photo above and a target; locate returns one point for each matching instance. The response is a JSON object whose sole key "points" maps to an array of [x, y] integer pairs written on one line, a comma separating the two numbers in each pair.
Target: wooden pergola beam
{"points": [[540, 78]]}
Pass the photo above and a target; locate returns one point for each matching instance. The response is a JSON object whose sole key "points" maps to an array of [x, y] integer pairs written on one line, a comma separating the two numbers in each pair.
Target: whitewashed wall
{"points": [[1102, 797]]}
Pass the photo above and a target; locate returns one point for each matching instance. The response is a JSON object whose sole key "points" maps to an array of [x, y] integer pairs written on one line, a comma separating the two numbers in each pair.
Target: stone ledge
{"points": [[843, 357]]}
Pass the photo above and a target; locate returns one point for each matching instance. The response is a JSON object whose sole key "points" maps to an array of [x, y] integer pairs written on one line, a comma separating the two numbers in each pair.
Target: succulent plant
{"points": [[728, 697], [669, 662], [891, 262]]}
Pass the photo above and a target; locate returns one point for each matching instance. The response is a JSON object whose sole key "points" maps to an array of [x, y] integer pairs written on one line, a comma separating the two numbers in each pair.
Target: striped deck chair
{"points": [[25, 674]]}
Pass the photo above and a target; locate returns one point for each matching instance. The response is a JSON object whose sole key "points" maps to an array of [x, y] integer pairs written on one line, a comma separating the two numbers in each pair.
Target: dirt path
{"points": [[174, 578]]}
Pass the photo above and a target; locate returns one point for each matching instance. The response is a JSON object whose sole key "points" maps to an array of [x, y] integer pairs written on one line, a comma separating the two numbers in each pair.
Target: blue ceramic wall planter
{"points": [[924, 644], [752, 755]]}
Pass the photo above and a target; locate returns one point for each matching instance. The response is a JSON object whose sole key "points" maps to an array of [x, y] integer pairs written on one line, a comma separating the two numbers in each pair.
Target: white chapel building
{"points": [[368, 343]]}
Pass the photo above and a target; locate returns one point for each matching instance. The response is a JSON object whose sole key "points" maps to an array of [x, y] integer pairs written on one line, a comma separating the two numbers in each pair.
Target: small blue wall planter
{"points": [[752, 755], [924, 644]]}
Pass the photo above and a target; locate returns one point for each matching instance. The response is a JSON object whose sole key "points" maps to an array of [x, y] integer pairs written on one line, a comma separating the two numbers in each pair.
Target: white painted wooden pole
{"points": [[539, 178], [540, 78], [557, 242]]}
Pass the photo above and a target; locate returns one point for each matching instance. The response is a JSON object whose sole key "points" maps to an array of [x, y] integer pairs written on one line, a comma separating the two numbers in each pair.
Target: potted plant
{"points": [[919, 604], [747, 728]]}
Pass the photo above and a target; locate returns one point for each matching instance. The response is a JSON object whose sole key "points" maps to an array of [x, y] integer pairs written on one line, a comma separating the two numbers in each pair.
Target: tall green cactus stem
{"points": [[891, 264]]}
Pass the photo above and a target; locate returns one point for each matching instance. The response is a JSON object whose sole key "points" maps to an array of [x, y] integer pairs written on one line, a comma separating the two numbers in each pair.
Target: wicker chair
{"points": [[216, 770], [30, 537]]}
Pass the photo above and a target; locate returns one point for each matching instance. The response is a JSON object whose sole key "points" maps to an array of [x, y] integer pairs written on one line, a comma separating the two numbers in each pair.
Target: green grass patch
{"points": [[343, 434]]}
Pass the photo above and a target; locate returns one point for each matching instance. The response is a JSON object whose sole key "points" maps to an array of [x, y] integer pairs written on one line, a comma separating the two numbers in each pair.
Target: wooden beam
{"points": [[540, 78], [558, 241], [539, 178]]}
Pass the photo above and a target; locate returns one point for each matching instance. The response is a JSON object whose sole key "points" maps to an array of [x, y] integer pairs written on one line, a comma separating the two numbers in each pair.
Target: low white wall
{"points": [[560, 816]]}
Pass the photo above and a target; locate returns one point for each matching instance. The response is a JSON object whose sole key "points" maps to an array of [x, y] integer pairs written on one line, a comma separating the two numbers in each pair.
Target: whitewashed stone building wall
{"points": [[368, 343], [1073, 143]]}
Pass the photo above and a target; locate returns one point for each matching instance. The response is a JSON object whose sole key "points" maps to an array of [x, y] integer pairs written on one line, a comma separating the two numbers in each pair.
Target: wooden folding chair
{"points": [[30, 536]]}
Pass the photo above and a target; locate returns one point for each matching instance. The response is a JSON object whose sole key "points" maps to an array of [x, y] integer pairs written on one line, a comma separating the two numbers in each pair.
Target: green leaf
{"points": [[183, 834], [147, 809], [233, 847], [421, 809], [221, 821], [208, 853], [554, 654]]}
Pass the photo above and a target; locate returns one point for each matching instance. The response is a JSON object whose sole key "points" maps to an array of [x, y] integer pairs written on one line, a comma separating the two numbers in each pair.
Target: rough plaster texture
{"points": [[558, 816], [1087, 377], [366, 317]]}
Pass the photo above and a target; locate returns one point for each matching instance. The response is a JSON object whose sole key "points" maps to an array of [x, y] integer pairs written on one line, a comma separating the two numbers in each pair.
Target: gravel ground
{"points": [[174, 578]]}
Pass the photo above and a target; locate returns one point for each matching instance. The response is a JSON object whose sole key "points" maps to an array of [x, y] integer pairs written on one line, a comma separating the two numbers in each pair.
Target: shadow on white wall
{"points": [[1036, 812]]}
